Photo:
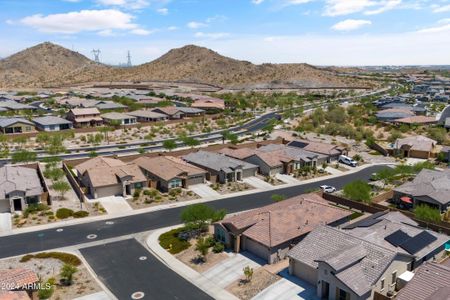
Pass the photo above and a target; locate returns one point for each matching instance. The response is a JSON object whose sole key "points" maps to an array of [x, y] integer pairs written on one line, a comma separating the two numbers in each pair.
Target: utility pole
{"points": [[96, 55], [129, 59]]}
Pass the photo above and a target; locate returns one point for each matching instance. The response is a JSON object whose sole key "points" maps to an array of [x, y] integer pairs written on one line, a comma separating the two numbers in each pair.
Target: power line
{"points": [[129, 59], [96, 55]]}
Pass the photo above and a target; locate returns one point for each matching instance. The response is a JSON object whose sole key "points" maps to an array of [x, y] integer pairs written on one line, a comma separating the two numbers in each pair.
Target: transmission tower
{"points": [[129, 59], [96, 55]]}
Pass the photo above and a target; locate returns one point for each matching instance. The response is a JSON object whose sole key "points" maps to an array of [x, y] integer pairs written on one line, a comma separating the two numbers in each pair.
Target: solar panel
{"points": [[397, 238], [418, 242], [297, 144], [367, 222]]}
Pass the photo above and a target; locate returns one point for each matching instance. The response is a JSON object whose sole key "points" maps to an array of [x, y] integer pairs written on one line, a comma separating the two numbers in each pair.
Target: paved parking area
{"points": [[289, 287], [258, 183], [204, 191], [287, 178], [230, 269], [5, 222], [115, 204]]}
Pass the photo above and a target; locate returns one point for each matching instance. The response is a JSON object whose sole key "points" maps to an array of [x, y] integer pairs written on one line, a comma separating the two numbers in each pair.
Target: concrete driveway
{"points": [[5, 222], [287, 178], [115, 204], [258, 183], [230, 269], [204, 191], [287, 288]]}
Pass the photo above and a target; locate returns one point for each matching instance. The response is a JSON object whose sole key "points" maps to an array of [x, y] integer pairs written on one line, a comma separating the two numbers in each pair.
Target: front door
{"points": [[325, 290], [17, 204]]}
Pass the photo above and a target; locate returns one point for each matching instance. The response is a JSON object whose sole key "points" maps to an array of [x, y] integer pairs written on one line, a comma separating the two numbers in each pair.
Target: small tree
{"points": [[61, 187], [54, 174], [170, 145], [202, 247], [358, 190], [248, 273], [190, 141], [199, 216], [67, 272], [23, 156]]}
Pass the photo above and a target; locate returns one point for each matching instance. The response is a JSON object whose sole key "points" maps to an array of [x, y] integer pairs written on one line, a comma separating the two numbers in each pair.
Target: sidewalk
{"points": [[179, 204], [181, 269]]}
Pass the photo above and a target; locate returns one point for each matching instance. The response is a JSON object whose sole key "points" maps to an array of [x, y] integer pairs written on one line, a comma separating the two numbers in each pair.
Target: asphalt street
{"points": [[24, 243], [126, 267]]}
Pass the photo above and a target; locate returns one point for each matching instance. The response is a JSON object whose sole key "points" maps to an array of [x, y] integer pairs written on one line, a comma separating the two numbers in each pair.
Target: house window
{"points": [[382, 284], [138, 185], [394, 277], [342, 295], [175, 183], [52, 127]]}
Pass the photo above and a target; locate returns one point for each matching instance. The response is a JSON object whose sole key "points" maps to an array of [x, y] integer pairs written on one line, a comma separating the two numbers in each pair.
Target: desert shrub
{"points": [[171, 241], [64, 213], [66, 258], [218, 247], [80, 214]]}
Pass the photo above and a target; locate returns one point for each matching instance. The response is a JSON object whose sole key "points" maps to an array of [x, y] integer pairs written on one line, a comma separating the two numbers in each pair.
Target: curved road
{"points": [[23, 243]]}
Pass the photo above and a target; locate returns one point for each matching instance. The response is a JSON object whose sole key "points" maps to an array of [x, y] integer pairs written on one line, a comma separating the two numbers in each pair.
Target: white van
{"points": [[347, 160]]}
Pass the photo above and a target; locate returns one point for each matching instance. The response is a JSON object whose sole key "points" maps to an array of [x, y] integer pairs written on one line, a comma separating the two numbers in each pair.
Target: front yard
{"points": [[153, 197], [247, 289], [231, 187]]}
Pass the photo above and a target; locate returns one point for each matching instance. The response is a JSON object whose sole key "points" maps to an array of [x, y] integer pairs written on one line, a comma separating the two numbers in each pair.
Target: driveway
{"points": [[287, 288], [204, 191], [230, 269], [5, 222], [258, 183], [115, 204], [287, 178]]}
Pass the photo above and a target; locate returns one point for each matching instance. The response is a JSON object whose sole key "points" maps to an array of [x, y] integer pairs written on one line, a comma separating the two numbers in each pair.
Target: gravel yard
{"points": [[247, 290]]}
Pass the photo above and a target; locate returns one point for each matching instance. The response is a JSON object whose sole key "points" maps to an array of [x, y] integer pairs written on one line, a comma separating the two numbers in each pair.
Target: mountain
{"points": [[51, 65]]}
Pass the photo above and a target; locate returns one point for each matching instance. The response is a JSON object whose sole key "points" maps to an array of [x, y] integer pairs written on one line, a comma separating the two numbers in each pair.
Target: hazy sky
{"points": [[321, 32]]}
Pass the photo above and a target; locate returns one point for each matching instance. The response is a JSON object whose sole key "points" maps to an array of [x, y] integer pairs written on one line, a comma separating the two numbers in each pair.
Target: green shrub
{"points": [[427, 213], [64, 213], [66, 258], [137, 193], [80, 214], [46, 290], [218, 247], [171, 242], [34, 208]]}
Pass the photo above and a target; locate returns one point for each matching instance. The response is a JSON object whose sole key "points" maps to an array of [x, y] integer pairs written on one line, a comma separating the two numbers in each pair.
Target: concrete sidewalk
{"points": [[189, 274], [5, 222]]}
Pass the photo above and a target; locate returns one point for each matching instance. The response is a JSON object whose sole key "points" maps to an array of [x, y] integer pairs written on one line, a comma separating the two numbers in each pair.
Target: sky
{"points": [[319, 32]]}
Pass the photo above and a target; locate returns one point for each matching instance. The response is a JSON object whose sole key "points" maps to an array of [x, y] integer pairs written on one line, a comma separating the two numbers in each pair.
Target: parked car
{"points": [[347, 161], [328, 189]]}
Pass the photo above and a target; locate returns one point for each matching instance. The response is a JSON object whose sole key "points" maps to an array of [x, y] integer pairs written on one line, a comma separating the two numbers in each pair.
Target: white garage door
{"points": [[4, 206]]}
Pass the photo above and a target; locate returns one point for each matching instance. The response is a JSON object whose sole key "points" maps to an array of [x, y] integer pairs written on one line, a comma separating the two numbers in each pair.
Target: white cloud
{"points": [[350, 24], [127, 4], [79, 21], [172, 28], [257, 2], [441, 9], [140, 31], [441, 26], [211, 35], [196, 25], [163, 11], [369, 7]]}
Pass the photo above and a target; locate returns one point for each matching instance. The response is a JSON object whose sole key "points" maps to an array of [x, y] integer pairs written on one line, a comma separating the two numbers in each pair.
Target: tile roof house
{"points": [[17, 284], [14, 106], [191, 111], [300, 157], [430, 282], [343, 266], [171, 112], [122, 119], [270, 231], [415, 146], [85, 117], [52, 123], [168, 172], [147, 116], [104, 177], [221, 168], [209, 104], [420, 120], [16, 125], [392, 114], [331, 151], [429, 186], [19, 187]]}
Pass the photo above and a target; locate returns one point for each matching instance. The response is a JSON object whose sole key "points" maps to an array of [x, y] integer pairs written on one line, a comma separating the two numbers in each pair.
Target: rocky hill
{"points": [[51, 65]]}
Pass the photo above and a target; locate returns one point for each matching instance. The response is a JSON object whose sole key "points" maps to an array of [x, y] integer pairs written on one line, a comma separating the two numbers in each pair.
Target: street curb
{"points": [[181, 269]]}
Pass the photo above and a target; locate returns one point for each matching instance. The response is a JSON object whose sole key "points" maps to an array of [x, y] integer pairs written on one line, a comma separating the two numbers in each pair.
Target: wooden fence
{"points": [[74, 183]]}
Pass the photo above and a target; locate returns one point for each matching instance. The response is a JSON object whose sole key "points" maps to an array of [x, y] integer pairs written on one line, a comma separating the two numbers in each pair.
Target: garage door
{"points": [[4, 206], [249, 172], [256, 248], [196, 180], [305, 272]]}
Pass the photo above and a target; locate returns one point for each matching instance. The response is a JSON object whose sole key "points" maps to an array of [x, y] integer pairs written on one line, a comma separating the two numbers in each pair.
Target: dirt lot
{"points": [[247, 290], [190, 258]]}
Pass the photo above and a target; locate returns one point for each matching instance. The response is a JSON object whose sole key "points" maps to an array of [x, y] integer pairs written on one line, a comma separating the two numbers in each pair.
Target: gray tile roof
{"points": [[216, 161], [14, 178], [147, 114], [359, 263], [292, 152], [431, 282], [109, 105], [429, 183], [116, 116], [50, 120], [5, 122], [13, 105], [190, 110]]}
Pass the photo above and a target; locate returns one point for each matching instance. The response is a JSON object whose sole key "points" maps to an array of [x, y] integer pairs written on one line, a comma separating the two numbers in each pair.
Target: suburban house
{"points": [[109, 105], [168, 172], [209, 104], [331, 151], [52, 123], [171, 112], [419, 120], [345, 267], [19, 187], [119, 118], [16, 125], [392, 114], [431, 281], [397, 232], [300, 157], [75, 102], [270, 231], [221, 168], [431, 187], [147, 116], [191, 111], [18, 284], [415, 146], [85, 117], [10, 105], [104, 177]]}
